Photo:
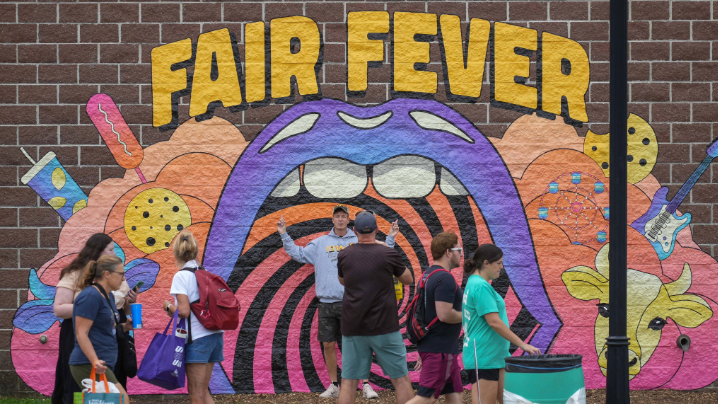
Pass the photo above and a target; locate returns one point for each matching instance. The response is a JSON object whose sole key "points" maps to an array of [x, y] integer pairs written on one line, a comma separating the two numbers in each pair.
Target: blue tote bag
{"points": [[163, 364]]}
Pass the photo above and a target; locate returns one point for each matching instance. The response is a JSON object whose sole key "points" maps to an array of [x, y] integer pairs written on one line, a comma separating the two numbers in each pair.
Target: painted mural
{"points": [[540, 192]]}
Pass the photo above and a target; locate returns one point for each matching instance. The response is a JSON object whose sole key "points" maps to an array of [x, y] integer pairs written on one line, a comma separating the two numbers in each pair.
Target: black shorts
{"points": [[330, 322], [486, 374]]}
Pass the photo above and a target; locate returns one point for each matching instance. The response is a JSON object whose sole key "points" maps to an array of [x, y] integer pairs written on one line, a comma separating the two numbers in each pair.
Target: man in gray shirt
{"points": [[322, 253]]}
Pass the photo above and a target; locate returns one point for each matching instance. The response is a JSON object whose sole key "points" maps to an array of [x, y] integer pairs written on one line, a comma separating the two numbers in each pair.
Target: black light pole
{"points": [[617, 390]]}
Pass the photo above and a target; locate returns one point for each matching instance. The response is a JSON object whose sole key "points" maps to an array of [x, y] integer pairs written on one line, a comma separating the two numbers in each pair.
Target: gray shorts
{"points": [[330, 322]]}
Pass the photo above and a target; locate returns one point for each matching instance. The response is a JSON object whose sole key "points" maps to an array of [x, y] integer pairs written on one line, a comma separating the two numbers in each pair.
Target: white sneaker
{"points": [[331, 392], [369, 392]]}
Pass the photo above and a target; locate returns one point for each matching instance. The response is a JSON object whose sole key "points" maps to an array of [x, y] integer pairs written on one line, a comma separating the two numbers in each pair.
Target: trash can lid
{"points": [[543, 363]]}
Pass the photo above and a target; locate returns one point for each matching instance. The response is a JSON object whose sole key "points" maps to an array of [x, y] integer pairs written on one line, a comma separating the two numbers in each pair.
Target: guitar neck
{"points": [[686, 188]]}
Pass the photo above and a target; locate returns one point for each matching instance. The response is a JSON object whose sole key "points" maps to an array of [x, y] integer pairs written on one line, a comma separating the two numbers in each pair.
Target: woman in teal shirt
{"points": [[487, 335]]}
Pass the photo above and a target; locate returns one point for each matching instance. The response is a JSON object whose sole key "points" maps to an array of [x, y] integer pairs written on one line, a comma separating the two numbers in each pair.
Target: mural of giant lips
{"points": [[402, 158], [439, 173]]}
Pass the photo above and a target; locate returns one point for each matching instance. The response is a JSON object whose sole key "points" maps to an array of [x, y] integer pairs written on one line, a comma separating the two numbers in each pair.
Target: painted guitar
{"points": [[661, 224]]}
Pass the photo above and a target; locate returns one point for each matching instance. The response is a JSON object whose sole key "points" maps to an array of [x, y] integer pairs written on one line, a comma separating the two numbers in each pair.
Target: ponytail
{"points": [[469, 266], [96, 269], [185, 247], [485, 252]]}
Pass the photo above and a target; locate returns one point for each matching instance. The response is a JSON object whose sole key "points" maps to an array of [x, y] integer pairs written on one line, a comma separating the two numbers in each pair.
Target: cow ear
{"points": [[689, 310], [584, 283]]}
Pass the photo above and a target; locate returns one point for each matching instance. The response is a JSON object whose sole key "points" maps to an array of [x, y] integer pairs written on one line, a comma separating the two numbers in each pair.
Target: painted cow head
{"points": [[650, 303]]}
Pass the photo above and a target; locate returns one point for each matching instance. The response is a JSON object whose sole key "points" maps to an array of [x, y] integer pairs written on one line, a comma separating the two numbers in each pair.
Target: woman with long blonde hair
{"points": [[205, 347]]}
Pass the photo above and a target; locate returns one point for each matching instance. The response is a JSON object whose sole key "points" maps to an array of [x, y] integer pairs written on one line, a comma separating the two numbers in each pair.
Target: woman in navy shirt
{"points": [[96, 321]]}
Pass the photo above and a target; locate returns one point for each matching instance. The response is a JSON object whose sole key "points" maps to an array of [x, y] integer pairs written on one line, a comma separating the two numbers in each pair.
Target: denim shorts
{"points": [[389, 349], [208, 349]]}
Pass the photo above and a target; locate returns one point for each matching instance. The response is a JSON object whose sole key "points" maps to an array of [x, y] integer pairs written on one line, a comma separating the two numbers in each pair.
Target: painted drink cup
{"points": [[53, 183]]}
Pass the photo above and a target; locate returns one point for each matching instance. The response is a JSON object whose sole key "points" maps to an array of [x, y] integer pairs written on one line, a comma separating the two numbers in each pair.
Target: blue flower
{"points": [[36, 316]]}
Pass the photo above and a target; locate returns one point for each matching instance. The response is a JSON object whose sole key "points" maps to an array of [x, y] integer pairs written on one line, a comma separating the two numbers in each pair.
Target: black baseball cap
{"points": [[364, 223], [341, 208]]}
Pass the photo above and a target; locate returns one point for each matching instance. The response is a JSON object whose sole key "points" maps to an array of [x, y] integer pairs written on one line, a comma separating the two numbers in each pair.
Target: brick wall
{"points": [[53, 57]]}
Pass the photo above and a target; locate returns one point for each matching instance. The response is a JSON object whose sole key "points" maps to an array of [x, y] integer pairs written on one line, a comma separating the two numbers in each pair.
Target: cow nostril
{"points": [[632, 362]]}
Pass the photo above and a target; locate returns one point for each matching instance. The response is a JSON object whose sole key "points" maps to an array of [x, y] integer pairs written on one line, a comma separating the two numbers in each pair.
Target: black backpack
{"points": [[416, 325]]}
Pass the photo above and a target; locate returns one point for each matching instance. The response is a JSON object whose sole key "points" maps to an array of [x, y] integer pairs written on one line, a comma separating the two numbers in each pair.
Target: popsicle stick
{"points": [[139, 173], [27, 155]]}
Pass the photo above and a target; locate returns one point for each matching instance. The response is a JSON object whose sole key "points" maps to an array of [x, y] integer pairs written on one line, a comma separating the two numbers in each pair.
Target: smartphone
{"points": [[138, 286]]}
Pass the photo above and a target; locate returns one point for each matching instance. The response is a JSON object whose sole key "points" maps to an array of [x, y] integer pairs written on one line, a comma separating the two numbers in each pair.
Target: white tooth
{"points": [[334, 178], [289, 186], [450, 185], [296, 127], [427, 120], [365, 123], [404, 177]]}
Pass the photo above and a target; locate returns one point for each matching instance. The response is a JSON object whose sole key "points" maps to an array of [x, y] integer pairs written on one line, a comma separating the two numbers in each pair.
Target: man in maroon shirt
{"points": [[370, 322]]}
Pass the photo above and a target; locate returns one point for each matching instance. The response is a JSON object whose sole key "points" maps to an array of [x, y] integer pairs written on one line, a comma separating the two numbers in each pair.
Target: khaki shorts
{"points": [[82, 372]]}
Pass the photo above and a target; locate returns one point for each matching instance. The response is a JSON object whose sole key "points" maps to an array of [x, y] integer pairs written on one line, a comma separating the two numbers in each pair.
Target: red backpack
{"points": [[416, 325], [217, 307]]}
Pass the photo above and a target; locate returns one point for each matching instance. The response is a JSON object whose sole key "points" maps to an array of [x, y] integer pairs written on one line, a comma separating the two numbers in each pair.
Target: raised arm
{"points": [[302, 254], [391, 237]]}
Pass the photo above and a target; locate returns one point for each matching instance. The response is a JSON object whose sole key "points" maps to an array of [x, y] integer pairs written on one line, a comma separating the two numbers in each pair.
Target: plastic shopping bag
{"points": [[97, 393], [99, 387], [163, 363]]}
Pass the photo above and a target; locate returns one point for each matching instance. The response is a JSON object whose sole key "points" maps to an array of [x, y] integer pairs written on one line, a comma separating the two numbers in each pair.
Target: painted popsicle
{"points": [[115, 132], [54, 184]]}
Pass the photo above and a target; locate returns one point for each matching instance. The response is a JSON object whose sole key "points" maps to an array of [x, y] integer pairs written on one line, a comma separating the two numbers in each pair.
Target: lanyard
{"points": [[102, 291]]}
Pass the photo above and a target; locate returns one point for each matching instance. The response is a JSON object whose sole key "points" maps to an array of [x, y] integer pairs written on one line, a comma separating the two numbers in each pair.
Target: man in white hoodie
{"points": [[322, 252]]}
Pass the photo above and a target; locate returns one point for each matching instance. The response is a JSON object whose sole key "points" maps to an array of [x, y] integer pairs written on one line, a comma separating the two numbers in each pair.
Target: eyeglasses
{"points": [[122, 274], [459, 249]]}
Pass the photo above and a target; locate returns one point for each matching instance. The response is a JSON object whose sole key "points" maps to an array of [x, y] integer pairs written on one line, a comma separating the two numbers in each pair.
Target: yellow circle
{"points": [[154, 217]]}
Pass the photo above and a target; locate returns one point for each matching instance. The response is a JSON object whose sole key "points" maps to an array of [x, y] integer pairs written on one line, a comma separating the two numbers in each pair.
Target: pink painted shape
{"points": [[114, 131], [246, 295], [296, 379], [265, 336], [142, 176], [33, 361], [317, 350], [513, 305]]}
